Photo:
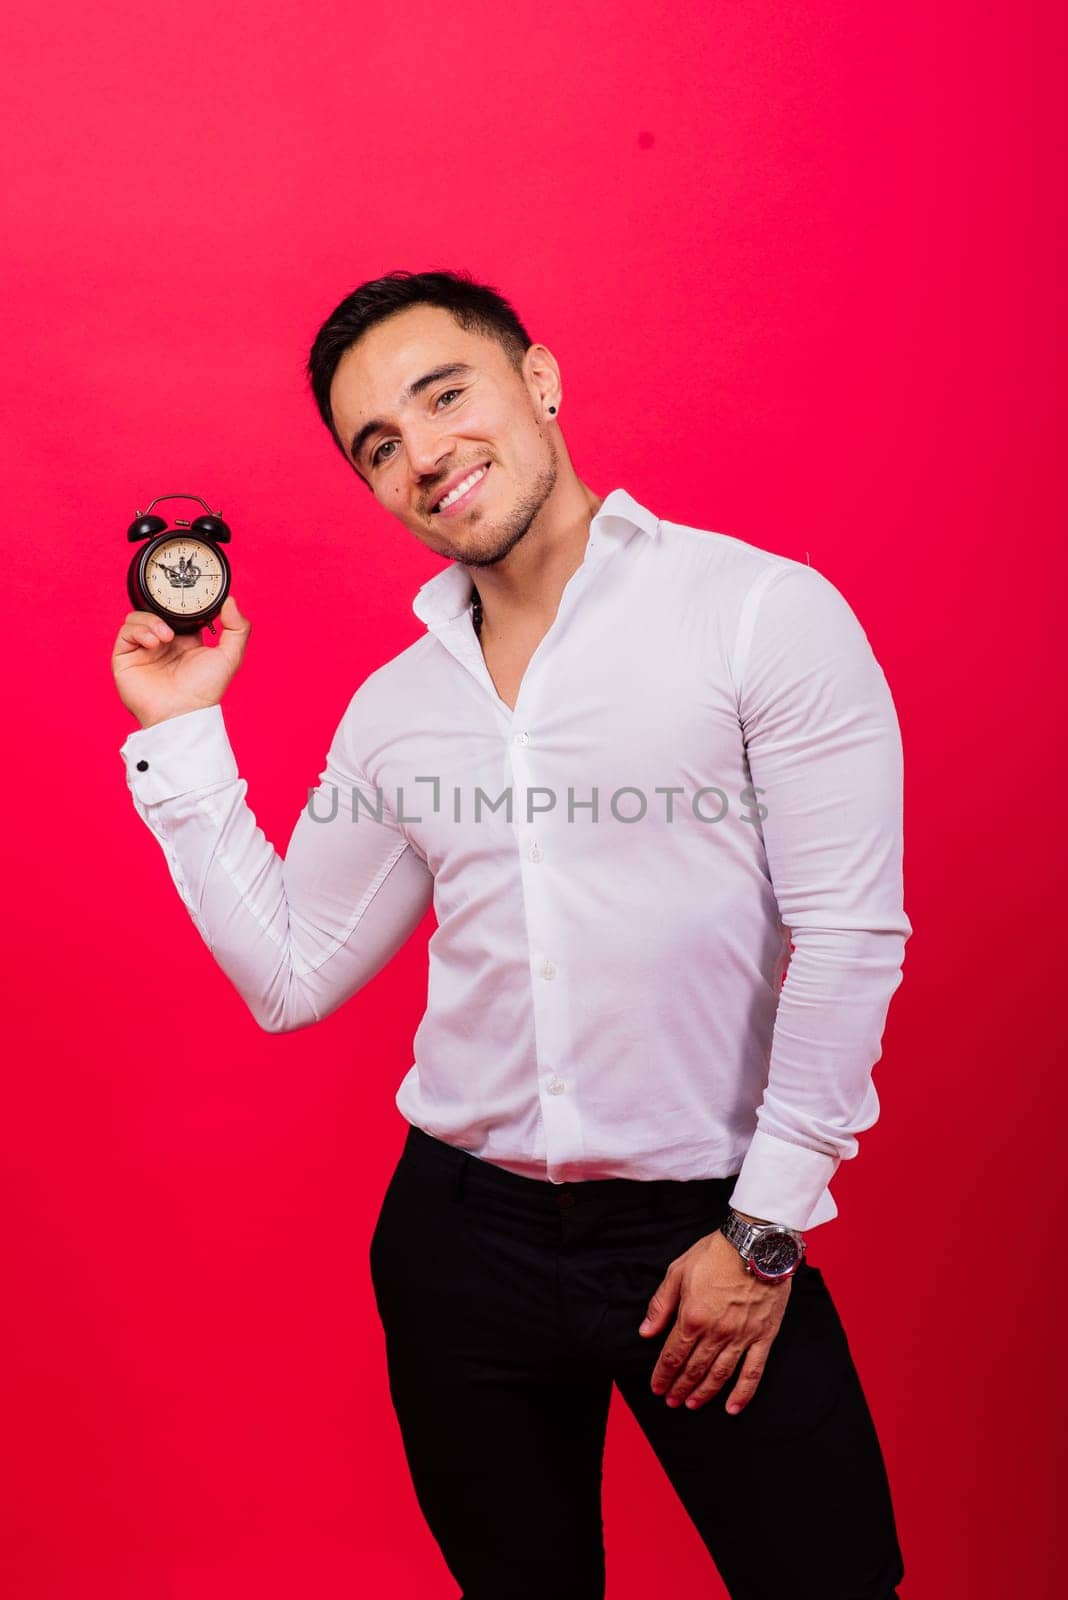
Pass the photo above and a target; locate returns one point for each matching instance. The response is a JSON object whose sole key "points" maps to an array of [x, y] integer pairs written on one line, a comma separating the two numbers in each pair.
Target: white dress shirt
{"points": [[606, 987]]}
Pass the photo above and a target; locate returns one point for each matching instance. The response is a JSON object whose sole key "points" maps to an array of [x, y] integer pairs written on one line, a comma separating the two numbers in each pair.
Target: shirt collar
{"points": [[447, 595]]}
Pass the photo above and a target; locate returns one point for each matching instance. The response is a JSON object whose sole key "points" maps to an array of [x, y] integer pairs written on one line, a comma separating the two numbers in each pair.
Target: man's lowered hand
{"points": [[724, 1311]]}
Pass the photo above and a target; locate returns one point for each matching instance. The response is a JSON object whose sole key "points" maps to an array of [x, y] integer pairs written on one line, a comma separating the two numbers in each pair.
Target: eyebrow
{"points": [[454, 369]]}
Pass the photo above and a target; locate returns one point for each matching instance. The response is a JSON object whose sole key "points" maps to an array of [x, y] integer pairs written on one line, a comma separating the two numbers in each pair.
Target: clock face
{"points": [[184, 575], [775, 1252]]}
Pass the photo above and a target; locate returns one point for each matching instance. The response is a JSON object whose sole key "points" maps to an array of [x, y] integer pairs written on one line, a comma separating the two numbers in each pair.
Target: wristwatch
{"points": [[770, 1250]]}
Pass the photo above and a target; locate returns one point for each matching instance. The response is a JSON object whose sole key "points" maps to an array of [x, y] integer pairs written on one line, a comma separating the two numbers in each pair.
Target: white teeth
{"points": [[461, 488]]}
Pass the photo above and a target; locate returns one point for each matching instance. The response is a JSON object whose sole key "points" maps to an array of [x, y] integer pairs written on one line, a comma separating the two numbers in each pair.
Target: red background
{"points": [[801, 266]]}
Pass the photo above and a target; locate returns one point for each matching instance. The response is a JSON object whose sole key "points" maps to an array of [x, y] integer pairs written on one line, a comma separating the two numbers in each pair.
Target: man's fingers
{"points": [[706, 1354], [752, 1372], [681, 1344], [141, 628], [715, 1375]]}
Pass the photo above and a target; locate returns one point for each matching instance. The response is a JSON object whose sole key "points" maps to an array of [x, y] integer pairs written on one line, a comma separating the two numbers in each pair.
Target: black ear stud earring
{"points": [[552, 411]]}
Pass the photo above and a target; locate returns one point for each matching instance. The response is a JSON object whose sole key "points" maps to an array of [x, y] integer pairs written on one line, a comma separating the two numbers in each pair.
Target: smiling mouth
{"points": [[437, 508]]}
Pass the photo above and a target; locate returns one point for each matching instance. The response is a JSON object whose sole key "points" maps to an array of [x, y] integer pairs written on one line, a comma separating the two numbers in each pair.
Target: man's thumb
{"points": [[655, 1314], [235, 630]]}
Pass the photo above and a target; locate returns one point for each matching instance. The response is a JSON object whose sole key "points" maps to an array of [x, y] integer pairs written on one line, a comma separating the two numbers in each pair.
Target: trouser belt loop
{"points": [[460, 1175]]}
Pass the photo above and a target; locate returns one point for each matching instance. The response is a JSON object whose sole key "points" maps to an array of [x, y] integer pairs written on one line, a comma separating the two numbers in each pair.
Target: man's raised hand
{"points": [[159, 673]]}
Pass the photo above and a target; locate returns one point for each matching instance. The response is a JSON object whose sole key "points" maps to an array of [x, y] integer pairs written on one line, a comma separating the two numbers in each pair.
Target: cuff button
{"points": [[142, 766]]}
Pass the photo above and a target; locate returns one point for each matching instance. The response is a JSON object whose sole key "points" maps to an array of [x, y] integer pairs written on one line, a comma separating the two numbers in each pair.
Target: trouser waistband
{"points": [[424, 1149]]}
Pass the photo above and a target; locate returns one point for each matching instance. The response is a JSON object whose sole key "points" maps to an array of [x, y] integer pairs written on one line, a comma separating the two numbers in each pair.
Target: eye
{"points": [[443, 396]]}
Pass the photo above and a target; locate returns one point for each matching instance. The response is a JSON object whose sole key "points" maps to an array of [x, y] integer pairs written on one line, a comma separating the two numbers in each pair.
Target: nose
{"points": [[428, 452]]}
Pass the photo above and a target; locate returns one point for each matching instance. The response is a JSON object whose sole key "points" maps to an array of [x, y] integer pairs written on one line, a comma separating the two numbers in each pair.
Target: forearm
{"points": [[824, 748], [297, 936], [820, 1094]]}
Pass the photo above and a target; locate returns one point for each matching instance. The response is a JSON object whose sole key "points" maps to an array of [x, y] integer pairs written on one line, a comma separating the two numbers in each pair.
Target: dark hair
{"points": [[477, 307]]}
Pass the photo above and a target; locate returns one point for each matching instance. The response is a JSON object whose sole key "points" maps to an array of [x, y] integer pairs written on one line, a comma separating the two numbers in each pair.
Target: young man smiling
{"points": [[622, 1121]]}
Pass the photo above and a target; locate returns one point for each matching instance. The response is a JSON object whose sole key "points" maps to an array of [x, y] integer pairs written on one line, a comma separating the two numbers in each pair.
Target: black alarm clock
{"points": [[183, 577]]}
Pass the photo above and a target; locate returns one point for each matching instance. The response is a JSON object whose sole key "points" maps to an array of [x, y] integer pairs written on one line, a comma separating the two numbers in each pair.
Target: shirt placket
{"points": [[550, 974], [531, 766]]}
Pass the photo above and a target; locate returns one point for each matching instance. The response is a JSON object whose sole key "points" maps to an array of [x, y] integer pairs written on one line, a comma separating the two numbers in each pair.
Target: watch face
{"points": [[184, 575], [775, 1252]]}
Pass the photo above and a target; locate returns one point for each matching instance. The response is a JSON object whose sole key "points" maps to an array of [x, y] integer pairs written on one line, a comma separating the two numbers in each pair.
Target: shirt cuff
{"points": [[785, 1183], [178, 755]]}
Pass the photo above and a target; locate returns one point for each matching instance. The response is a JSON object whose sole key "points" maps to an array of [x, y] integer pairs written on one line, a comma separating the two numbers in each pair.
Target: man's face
{"points": [[487, 416]]}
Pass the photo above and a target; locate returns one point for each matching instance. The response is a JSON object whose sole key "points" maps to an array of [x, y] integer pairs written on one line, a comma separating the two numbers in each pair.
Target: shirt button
{"points": [[535, 852], [556, 1085], [547, 969], [142, 766], [522, 738]]}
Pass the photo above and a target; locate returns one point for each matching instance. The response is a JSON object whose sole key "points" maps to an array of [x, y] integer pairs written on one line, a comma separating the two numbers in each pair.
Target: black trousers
{"points": [[511, 1305]]}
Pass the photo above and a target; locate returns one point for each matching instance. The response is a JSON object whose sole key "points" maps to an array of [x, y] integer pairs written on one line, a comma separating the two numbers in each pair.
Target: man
{"points": [[628, 766]]}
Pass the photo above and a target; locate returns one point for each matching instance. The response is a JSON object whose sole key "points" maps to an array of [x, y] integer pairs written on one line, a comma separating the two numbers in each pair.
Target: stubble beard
{"points": [[495, 541]]}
